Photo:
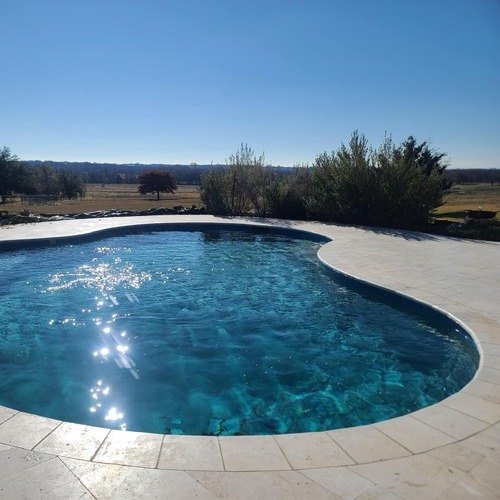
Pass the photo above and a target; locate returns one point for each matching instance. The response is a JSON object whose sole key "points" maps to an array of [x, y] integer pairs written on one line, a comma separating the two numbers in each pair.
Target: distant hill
{"points": [[126, 173], [467, 175], [115, 173]]}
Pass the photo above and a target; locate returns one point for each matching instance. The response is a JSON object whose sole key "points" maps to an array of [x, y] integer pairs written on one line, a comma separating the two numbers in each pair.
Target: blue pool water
{"points": [[214, 332]]}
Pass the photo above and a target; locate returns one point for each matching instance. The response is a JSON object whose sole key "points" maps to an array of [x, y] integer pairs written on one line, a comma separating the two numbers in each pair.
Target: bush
{"points": [[288, 196], [388, 186], [238, 189]]}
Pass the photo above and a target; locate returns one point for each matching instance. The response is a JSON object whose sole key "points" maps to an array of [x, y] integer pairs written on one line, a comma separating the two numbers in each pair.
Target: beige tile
{"points": [[468, 488], [487, 472], [74, 440], [312, 450], [252, 453], [190, 453], [6, 413], [419, 476], [26, 430], [485, 390], [486, 443], [367, 444], [490, 360], [458, 456], [130, 448], [340, 481], [491, 375], [47, 480], [282, 485], [452, 422], [4, 447], [492, 345], [133, 483], [474, 406], [79, 467], [413, 434], [15, 460], [378, 493]]}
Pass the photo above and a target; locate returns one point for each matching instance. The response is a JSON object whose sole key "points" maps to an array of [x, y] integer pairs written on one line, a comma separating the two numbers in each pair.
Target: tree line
{"points": [[392, 185], [397, 185], [473, 175], [112, 173], [17, 177]]}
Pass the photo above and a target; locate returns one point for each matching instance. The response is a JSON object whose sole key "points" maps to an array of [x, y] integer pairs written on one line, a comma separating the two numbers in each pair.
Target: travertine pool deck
{"points": [[449, 450]]}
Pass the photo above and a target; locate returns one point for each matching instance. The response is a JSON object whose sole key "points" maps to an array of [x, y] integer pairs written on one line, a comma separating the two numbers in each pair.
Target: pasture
{"points": [[461, 197], [112, 196]]}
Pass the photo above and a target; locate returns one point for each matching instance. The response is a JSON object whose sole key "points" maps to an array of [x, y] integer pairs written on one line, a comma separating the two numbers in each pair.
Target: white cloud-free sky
{"points": [[181, 81]]}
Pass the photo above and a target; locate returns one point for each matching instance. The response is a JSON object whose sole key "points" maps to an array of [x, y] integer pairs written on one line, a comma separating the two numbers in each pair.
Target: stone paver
{"points": [[130, 448], [252, 453], [449, 450], [73, 440], [184, 452]]}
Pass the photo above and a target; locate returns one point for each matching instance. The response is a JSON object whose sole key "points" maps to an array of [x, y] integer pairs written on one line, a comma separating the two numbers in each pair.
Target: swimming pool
{"points": [[215, 332]]}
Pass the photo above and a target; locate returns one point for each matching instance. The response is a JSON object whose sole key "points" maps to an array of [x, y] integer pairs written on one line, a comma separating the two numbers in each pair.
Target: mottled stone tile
{"points": [[458, 456], [450, 421], [190, 453], [130, 448], [468, 488], [252, 453], [14, 460], [378, 493], [485, 390], [47, 480], [474, 406], [367, 444], [339, 480], [491, 375], [486, 443], [6, 413], [490, 360], [112, 482], [282, 485], [312, 450], [74, 440], [414, 434], [26, 430], [487, 472], [419, 476]]}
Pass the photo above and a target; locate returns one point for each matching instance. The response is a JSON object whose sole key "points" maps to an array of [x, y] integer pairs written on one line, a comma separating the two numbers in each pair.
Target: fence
{"points": [[38, 199]]}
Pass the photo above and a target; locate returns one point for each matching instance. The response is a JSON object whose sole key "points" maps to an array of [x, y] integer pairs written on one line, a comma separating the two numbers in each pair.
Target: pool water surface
{"points": [[215, 333]]}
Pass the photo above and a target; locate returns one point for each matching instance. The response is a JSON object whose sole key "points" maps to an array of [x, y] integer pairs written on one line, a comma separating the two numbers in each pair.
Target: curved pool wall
{"points": [[10, 245], [365, 288], [419, 307]]}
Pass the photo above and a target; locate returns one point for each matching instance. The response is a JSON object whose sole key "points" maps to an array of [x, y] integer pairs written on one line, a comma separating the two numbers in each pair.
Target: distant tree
{"points": [[155, 181], [14, 175], [70, 184], [45, 180]]}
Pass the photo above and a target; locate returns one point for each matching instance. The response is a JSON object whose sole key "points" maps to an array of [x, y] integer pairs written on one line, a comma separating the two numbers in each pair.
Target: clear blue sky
{"points": [[181, 81]]}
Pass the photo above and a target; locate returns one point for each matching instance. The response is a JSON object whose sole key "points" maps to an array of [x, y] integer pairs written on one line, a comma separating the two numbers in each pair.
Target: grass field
{"points": [[112, 196], [125, 197], [470, 197]]}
